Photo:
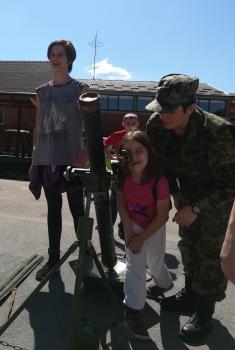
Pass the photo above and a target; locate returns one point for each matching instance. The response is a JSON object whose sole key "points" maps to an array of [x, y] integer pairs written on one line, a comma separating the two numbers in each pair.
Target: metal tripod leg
{"points": [[84, 233], [76, 338], [110, 292]]}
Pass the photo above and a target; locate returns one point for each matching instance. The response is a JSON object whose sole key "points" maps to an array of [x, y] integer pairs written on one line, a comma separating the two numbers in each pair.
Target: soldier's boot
{"points": [[183, 302], [199, 324], [54, 257]]}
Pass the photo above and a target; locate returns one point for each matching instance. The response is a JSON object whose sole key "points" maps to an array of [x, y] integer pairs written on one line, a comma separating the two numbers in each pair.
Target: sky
{"points": [[137, 40]]}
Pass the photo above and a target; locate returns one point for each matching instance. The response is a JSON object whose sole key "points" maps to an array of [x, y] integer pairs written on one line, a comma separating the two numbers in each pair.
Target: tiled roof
{"points": [[205, 89], [143, 87], [25, 76]]}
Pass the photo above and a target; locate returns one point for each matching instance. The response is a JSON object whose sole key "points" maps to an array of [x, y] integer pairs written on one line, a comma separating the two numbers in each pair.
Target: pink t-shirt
{"points": [[140, 201]]}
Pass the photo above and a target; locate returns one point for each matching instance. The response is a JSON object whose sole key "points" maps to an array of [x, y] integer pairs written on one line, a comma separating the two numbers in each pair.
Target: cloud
{"points": [[105, 70]]}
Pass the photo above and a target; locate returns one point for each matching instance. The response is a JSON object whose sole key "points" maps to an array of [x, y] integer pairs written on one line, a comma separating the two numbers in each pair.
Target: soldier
{"points": [[197, 151]]}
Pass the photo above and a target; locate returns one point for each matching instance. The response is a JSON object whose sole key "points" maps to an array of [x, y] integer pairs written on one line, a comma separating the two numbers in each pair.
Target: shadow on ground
{"points": [[49, 316]]}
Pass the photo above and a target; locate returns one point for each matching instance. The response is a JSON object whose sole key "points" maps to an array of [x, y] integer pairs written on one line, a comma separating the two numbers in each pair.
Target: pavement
{"points": [[44, 323]]}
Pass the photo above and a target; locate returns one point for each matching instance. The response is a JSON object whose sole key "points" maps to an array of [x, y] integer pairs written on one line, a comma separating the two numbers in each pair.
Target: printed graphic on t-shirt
{"points": [[135, 206], [54, 120]]}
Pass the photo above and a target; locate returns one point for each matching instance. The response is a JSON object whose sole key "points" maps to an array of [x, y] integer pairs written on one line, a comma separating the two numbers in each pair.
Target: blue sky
{"points": [[142, 40]]}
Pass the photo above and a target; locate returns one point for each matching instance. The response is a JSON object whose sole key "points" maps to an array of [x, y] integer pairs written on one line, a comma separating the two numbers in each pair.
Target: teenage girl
{"points": [[143, 203], [58, 142]]}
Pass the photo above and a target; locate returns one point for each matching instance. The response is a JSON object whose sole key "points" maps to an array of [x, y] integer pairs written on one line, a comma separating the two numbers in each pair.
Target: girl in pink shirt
{"points": [[144, 216]]}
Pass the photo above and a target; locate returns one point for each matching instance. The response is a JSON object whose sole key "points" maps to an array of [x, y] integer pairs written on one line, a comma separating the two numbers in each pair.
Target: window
{"points": [[104, 101], [113, 102], [213, 106], [125, 103], [142, 102], [1, 116], [204, 104], [217, 107]]}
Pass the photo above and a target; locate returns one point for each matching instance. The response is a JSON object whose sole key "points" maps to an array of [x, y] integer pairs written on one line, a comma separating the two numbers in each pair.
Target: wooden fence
{"points": [[16, 143]]}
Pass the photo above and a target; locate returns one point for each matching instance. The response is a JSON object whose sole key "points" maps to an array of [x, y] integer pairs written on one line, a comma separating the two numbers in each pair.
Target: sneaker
{"points": [[42, 273], [154, 291], [133, 320], [121, 231]]}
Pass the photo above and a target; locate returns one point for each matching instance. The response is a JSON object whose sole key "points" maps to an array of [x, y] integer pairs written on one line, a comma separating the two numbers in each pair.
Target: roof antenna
{"points": [[95, 44]]}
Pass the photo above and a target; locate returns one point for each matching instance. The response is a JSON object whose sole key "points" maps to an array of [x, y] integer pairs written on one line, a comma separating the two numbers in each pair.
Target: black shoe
{"points": [[54, 257], [121, 231], [133, 320], [41, 274], [195, 329], [199, 324], [182, 302]]}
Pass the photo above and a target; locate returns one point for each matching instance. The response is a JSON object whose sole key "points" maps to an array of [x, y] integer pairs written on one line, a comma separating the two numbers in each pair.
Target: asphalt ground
{"points": [[45, 322]]}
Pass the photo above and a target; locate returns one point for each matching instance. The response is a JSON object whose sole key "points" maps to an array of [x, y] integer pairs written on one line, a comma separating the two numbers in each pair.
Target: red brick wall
{"points": [[27, 118]]}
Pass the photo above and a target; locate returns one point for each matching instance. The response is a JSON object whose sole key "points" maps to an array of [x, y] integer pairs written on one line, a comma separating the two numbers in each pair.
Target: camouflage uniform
{"points": [[200, 164]]}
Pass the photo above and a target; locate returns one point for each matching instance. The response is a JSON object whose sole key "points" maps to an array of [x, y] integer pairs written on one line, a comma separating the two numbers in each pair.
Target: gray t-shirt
{"points": [[59, 132]]}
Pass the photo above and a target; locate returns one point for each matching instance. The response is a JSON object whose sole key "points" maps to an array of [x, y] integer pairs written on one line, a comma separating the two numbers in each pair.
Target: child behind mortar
{"points": [[130, 122], [144, 219]]}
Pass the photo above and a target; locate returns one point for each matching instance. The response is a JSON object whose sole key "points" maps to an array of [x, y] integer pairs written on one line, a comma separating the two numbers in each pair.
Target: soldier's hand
{"points": [[179, 201], [184, 216], [227, 256]]}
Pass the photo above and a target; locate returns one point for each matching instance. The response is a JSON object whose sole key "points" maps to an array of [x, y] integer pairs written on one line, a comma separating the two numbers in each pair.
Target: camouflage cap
{"points": [[173, 90]]}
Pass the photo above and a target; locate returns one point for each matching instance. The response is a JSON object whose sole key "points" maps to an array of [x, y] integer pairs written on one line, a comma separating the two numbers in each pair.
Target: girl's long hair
{"points": [[153, 168]]}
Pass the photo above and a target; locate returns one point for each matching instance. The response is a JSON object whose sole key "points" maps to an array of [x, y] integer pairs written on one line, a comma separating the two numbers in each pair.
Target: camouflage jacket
{"points": [[201, 162]]}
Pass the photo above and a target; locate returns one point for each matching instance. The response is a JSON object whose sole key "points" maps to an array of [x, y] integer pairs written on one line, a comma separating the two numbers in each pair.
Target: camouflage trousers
{"points": [[200, 245]]}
